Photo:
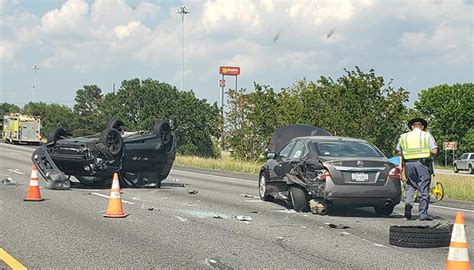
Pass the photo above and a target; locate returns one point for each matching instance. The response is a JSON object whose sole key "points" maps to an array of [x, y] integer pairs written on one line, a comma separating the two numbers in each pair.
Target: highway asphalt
{"points": [[171, 228]]}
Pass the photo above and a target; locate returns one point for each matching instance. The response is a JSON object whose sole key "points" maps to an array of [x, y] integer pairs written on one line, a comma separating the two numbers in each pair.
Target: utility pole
{"points": [[182, 11], [35, 86]]}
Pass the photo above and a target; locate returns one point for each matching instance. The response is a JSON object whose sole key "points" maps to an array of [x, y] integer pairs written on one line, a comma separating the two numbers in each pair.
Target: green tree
{"points": [[52, 115], [87, 119], [251, 120], [6, 108], [449, 110], [142, 103]]}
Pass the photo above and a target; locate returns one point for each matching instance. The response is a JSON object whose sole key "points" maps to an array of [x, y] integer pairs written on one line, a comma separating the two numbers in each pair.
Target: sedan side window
{"points": [[299, 150], [285, 152]]}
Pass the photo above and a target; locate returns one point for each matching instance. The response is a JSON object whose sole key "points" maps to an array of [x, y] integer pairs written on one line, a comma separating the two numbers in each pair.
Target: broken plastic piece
{"points": [[9, 182], [243, 218], [192, 192], [340, 226]]}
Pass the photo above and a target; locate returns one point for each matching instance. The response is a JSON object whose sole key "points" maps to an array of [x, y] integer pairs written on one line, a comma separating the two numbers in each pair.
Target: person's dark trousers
{"points": [[418, 177]]}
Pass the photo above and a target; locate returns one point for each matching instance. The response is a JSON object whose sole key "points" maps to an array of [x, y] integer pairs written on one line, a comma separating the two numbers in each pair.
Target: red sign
{"points": [[221, 83], [224, 70], [450, 145]]}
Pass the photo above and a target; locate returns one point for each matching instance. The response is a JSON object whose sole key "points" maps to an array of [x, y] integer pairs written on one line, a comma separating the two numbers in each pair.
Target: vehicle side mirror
{"points": [[271, 155]]}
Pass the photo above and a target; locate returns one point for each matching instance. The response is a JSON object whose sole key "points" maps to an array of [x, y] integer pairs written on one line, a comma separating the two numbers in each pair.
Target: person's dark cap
{"points": [[417, 119]]}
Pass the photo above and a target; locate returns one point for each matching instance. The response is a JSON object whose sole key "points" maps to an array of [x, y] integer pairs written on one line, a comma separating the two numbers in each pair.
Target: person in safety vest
{"points": [[416, 149]]}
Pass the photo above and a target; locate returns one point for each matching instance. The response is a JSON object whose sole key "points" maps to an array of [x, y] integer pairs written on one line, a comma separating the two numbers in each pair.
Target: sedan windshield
{"points": [[346, 149]]}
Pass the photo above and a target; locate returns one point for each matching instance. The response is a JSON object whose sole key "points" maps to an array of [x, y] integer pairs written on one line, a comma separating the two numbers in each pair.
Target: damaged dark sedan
{"points": [[142, 158], [313, 170]]}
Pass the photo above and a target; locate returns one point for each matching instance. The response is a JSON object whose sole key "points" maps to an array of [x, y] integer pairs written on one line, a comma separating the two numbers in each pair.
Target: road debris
{"points": [[217, 217], [9, 182], [253, 212], [215, 263], [243, 218], [192, 192], [318, 207], [151, 209], [182, 219], [249, 196], [340, 226]]}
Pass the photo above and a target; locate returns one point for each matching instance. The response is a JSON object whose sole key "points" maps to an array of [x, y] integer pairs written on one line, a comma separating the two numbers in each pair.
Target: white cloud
{"points": [[7, 51], [70, 18], [452, 44]]}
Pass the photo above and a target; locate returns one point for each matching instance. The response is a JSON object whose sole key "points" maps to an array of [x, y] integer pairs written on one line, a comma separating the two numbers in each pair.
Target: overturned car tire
{"points": [[56, 134], [113, 142], [420, 236], [163, 129]]}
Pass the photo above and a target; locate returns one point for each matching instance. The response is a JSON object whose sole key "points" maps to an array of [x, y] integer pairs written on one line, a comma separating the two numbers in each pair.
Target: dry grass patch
{"points": [[225, 163], [457, 187]]}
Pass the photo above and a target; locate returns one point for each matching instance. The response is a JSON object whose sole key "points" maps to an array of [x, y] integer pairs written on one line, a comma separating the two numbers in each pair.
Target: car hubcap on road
{"points": [[261, 187]]}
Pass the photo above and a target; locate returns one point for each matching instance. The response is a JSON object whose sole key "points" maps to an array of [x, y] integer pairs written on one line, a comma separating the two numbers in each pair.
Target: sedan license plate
{"points": [[360, 177]]}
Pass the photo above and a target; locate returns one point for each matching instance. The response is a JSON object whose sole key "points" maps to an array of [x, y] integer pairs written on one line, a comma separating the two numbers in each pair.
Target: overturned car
{"points": [[142, 157]]}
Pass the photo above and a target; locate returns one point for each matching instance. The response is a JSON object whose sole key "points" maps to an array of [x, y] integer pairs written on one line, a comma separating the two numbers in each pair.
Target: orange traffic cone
{"points": [[115, 210], [34, 194], [458, 257]]}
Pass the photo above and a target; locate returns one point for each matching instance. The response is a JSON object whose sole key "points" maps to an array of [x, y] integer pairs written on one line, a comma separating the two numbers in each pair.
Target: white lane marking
{"points": [[363, 239], [107, 197], [216, 176], [452, 208], [15, 171], [14, 153]]}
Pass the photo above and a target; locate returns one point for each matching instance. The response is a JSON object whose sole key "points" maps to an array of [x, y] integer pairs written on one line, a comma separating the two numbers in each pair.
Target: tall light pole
{"points": [[35, 86], [182, 11]]}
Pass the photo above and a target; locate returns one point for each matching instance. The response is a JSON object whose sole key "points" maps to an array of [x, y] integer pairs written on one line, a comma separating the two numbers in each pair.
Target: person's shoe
{"points": [[426, 218], [408, 208]]}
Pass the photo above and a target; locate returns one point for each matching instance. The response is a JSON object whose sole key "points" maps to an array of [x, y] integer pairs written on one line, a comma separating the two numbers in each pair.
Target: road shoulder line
{"points": [[10, 260]]}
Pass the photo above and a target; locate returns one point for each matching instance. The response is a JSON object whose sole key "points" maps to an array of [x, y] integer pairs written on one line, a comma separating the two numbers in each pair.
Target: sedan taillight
{"points": [[395, 173], [323, 175]]}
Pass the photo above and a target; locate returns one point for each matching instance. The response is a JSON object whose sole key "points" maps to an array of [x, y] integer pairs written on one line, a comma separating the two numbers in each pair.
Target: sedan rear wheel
{"points": [[262, 188], [299, 199]]}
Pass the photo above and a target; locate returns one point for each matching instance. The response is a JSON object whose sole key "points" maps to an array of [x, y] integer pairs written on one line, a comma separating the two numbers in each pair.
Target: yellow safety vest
{"points": [[414, 144]]}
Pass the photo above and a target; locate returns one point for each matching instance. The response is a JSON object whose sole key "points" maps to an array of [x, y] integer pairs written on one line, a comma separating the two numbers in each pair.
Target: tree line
{"points": [[358, 104]]}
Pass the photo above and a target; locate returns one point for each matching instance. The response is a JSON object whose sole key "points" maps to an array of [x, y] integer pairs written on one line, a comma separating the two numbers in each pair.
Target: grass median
{"points": [[225, 163], [456, 187]]}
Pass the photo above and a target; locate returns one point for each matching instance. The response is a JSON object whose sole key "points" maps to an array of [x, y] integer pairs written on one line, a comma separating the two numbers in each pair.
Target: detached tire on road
{"points": [[420, 236]]}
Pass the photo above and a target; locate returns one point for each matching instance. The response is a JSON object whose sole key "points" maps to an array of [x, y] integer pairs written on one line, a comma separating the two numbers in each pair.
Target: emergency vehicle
{"points": [[18, 128]]}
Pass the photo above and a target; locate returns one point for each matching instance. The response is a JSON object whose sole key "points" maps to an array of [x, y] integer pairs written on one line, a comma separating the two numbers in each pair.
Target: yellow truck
{"points": [[18, 128]]}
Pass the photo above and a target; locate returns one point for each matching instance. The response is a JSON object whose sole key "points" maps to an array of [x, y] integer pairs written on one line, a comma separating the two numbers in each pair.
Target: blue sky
{"points": [[418, 44]]}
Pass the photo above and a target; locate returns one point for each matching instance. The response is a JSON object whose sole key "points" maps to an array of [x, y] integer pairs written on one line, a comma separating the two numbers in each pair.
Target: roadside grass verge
{"points": [[225, 163], [457, 187]]}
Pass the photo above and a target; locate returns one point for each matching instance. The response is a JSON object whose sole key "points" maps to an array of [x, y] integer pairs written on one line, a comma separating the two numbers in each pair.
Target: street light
{"points": [[182, 11], [35, 68]]}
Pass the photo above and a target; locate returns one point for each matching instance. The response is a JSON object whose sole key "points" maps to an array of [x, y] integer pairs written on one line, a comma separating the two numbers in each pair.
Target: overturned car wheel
{"points": [[56, 134], [163, 129], [420, 236], [113, 142]]}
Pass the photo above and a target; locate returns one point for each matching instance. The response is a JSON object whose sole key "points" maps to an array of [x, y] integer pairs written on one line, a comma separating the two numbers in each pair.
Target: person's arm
{"points": [[433, 146]]}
